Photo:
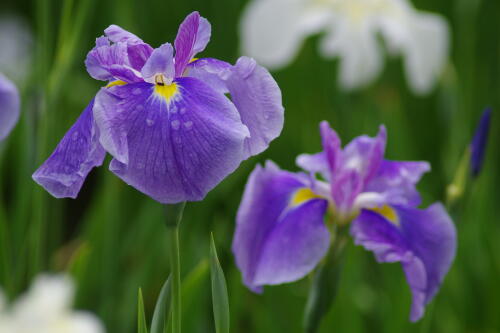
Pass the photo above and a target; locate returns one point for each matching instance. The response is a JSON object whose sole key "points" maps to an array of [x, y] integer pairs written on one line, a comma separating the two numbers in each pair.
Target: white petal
{"points": [[273, 30], [84, 322], [356, 44], [426, 52]]}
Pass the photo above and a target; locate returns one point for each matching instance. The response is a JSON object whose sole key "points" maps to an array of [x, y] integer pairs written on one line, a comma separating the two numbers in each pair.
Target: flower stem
{"points": [[172, 221]]}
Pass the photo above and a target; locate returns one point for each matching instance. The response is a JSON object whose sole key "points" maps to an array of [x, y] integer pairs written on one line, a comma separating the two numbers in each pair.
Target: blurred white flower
{"points": [[273, 31], [16, 48], [46, 308]]}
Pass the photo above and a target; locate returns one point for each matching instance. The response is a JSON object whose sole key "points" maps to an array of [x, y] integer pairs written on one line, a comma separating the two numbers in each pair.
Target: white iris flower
{"points": [[46, 308], [273, 31]]}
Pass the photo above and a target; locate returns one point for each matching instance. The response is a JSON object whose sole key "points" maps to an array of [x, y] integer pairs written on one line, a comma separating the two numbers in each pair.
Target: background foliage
{"points": [[112, 238]]}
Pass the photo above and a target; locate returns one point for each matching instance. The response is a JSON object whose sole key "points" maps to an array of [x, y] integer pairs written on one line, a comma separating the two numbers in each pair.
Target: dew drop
{"points": [[175, 124], [136, 91], [150, 122], [173, 109], [188, 124], [183, 110], [139, 107], [75, 136], [267, 116]]}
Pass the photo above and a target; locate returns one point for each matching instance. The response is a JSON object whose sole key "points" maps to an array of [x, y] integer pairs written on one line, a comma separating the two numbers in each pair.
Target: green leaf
{"points": [[142, 327], [159, 324], [219, 292]]}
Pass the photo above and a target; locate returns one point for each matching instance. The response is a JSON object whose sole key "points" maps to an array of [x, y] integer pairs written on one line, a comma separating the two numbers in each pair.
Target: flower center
{"points": [[165, 88]]}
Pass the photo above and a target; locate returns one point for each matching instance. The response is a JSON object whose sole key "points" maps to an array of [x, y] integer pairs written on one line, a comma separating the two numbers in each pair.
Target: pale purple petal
{"points": [[117, 34], [275, 242], [192, 38], [9, 106], [315, 163], [258, 100], [424, 241], [175, 150], [160, 62], [110, 62], [79, 151], [211, 71], [397, 181]]}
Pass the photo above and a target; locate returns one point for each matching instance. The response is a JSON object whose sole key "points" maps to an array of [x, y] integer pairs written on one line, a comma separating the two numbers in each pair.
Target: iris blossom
{"points": [[282, 231], [165, 117], [9, 106], [352, 30]]}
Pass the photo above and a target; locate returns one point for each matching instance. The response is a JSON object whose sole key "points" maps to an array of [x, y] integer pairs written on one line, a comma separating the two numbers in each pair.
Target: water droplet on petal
{"points": [[150, 122], [75, 136], [188, 124], [175, 124], [183, 110], [139, 107], [173, 109], [266, 116], [137, 91]]}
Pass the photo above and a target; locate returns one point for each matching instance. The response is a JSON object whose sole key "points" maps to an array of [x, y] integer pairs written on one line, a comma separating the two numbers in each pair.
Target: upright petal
{"points": [[258, 99], [275, 45], [424, 241], [397, 181], [160, 62], [64, 172], [173, 143], [192, 38], [278, 240], [9, 106]]}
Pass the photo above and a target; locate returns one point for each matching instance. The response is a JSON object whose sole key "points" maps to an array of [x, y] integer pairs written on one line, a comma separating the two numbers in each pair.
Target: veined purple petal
{"points": [[109, 63], [258, 100], [397, 181], [9, 106], [478, 145], [192, 38], [117, 34], [212, 71], [172, 150], [276, 242], [79, 151], [160, 62], [424, 241]]}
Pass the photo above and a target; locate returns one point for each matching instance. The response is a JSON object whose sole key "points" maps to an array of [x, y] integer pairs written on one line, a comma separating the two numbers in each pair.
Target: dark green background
{"points": [[112, 237]]}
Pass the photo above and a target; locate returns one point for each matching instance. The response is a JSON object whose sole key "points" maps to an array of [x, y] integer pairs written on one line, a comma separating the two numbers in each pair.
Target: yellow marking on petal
{"points": [[167, 91], [388, 212], [193, 60], [116, 83], [302, 195]]}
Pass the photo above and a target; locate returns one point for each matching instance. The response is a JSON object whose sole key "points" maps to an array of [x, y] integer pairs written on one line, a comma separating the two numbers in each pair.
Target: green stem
{"points": [[173, 219]]}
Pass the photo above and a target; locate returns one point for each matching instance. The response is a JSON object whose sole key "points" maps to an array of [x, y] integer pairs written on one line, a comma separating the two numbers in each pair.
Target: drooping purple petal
{"points": [[172, 150], [424, 241], [160, 62], [397, 181], [9, 106], [276, 242], [192, 38], [117, 34], [258, 100], [79, 151], [478, 145], [212, 71]]}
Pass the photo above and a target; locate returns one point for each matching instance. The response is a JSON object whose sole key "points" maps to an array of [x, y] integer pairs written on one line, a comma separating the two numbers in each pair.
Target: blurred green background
{"points": [[112, 237]]}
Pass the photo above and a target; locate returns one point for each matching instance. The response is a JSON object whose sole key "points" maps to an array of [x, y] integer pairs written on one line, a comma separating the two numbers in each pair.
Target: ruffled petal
{"points": [[277, 241], [117, 34], [9, 106], [161, 62], [192, 38], [424, 241], [397, 181], [275, 45], [212, 71], [257, 97], [174, 148], [110, 62], [79, 151]]}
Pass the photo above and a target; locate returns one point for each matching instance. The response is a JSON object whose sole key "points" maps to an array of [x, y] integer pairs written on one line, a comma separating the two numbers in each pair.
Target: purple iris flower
{"points": [[478, 145], [165, 118], [281, 233], [9, 106]]}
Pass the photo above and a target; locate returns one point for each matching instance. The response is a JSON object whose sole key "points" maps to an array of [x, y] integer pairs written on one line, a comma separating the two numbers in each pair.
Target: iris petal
{"points": [[79, 151], [160, 62], [274, 242], [424, 242], [172, 150], [192, 38], [9, 106]]}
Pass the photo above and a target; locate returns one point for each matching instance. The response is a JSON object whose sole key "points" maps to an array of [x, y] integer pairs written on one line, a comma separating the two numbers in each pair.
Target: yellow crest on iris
{"points": [[302, 195], [388, 212], [167, 91]]}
